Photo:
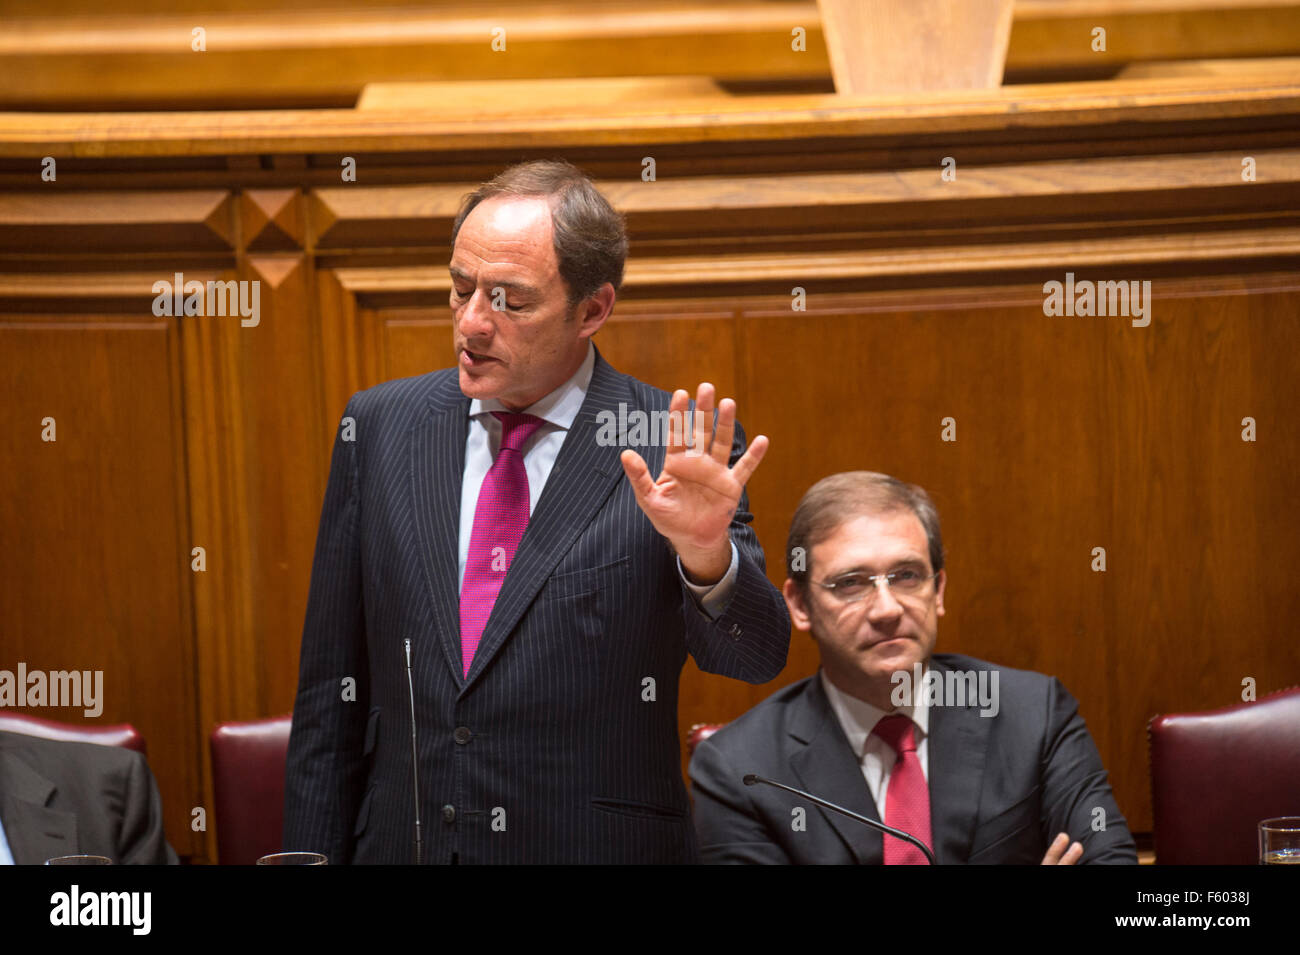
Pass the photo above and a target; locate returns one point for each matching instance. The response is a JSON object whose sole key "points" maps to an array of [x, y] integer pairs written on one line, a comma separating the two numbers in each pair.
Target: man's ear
{"points": [[794, 602], [592, 312], [940, 582]]}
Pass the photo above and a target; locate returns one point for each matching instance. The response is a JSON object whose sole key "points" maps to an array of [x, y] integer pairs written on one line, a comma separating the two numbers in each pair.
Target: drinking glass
{"points": [[293, 858], [1279, 841], [79, 860]]}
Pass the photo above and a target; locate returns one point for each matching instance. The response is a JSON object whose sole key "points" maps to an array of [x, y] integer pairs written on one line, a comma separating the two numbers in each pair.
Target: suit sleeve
{"points": [[140, 841], [1075, 786], [750, 638], [727, 823], [324, 771]]}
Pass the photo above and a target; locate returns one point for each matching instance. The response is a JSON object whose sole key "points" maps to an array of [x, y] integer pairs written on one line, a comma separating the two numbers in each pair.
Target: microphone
{"points": [[752, 778], [415, 758]]}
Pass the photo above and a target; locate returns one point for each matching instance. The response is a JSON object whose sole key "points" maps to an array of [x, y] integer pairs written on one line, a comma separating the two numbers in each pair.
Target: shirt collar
{"points": [[859, 718], [559, 407]]}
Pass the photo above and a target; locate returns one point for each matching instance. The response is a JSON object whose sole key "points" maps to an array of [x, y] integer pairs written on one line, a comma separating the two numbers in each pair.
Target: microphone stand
{"points": [[752, 778], [415, 759]]}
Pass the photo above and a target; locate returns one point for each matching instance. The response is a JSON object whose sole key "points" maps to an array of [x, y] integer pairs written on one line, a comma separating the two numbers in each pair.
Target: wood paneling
{"points": [[559, 95], [291, 53], [95, 568], [885, 46], [1037, 113]]}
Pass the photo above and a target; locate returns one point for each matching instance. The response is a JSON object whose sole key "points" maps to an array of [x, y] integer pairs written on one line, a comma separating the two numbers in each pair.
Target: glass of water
{"points": [[79, 860], [1279, 841], [293, 858]]}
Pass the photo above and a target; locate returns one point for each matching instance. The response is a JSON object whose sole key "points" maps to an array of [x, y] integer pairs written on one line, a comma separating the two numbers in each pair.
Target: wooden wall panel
{"points": [[287, 443], [293, 53], [257, 450], [1199, 589], [95, 567]]}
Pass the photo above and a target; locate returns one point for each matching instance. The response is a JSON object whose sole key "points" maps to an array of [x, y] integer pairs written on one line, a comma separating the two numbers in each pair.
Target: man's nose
{"points": [[476, 318], [885, 606]]}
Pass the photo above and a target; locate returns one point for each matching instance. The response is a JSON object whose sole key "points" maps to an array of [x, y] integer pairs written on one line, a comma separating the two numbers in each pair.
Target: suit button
{"points": [[448, 813], [462, 735], [735, 631]]}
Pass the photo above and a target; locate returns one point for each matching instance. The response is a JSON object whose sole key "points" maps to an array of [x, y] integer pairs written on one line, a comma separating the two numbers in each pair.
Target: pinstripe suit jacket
{"points": [[555, 748]]}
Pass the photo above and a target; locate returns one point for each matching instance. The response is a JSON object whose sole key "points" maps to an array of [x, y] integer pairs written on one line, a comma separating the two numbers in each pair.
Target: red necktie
{"points": [[499, 522], [907, 798]]}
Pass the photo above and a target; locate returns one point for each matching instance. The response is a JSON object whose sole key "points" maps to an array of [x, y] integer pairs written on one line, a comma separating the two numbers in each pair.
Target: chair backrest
{"points": [[118, 734], [1215, 775], [248, 785]]}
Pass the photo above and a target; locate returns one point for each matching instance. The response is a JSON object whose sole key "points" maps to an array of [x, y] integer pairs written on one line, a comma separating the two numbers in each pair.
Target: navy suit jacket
{"points": [[561, 745], [1001, 787]]}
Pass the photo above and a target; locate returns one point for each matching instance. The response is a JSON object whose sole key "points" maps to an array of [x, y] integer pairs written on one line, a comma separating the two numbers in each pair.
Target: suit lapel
{"points": [[957, 743], [436, 471], [583, 476], [824, 763], [35, 832]]}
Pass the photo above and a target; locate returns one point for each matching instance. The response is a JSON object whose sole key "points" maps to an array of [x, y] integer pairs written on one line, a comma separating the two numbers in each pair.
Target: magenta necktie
{"points": [[499, 521], [907, 799]]}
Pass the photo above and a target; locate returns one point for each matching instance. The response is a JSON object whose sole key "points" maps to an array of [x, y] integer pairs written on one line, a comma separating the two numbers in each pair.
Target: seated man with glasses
{"points": [[983, 763]]}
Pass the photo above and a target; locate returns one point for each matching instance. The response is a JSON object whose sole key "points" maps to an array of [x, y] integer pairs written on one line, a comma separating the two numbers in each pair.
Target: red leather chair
{"points": [[248, 785], [118, 734], [1215, 775], [699, 733]]}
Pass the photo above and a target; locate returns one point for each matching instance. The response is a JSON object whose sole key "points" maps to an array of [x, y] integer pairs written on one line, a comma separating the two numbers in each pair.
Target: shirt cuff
{"points": [[712, 598]]}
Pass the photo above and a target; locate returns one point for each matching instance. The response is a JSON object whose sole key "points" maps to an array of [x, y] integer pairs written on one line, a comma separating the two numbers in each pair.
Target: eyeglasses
{"points": [[850, 588]]}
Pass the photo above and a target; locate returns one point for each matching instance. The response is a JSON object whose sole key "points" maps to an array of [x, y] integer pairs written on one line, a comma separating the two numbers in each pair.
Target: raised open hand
{"points": [[696, 495]]}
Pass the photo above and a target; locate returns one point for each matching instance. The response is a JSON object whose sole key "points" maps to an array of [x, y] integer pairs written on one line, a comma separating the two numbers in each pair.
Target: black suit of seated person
{"points": [[60, 798], [996, 764], [1000, 786]]}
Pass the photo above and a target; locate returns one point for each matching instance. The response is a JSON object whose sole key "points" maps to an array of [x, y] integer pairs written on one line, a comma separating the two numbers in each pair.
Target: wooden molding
{"points": [[45, 218], [1011, 114], [894, 46], [270, 56]]}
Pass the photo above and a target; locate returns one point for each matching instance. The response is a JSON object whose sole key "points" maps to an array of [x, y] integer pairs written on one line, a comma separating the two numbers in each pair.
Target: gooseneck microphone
{"points": [[752, 778], [415, 758]]}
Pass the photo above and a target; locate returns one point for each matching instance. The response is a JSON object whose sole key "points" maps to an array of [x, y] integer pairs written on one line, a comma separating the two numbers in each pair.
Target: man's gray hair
{"points": [[590, 237]]}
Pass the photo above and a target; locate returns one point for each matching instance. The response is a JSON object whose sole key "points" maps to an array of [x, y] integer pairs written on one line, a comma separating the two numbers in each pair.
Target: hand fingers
{"points": [[725, 432], [1074, 854], [703, 418], [749, 461], [1054, 851], [638, 474], [678, 412]]}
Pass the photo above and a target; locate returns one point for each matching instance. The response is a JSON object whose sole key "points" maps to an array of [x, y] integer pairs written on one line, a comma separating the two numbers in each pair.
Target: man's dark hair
{"points": [[590, 238], [834, 500]]}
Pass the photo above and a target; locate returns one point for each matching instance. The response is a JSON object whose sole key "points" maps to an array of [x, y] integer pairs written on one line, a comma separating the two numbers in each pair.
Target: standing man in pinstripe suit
{"points": [[550, 582]]}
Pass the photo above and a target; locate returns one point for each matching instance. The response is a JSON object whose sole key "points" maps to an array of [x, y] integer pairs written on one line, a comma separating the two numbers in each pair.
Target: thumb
{"points": [[638, 474]]}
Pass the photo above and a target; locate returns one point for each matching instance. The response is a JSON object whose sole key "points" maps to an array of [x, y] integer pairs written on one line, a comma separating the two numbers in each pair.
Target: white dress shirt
{"points": [[6, 856], [876, 757], [558, 410]]}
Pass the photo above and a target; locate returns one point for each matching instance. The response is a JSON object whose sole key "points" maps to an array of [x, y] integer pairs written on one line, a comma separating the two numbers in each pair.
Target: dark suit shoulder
{"points": [[768, 718], [54, 756], [1022, 689], [959, 661], [408, 395], [647, 396]]}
